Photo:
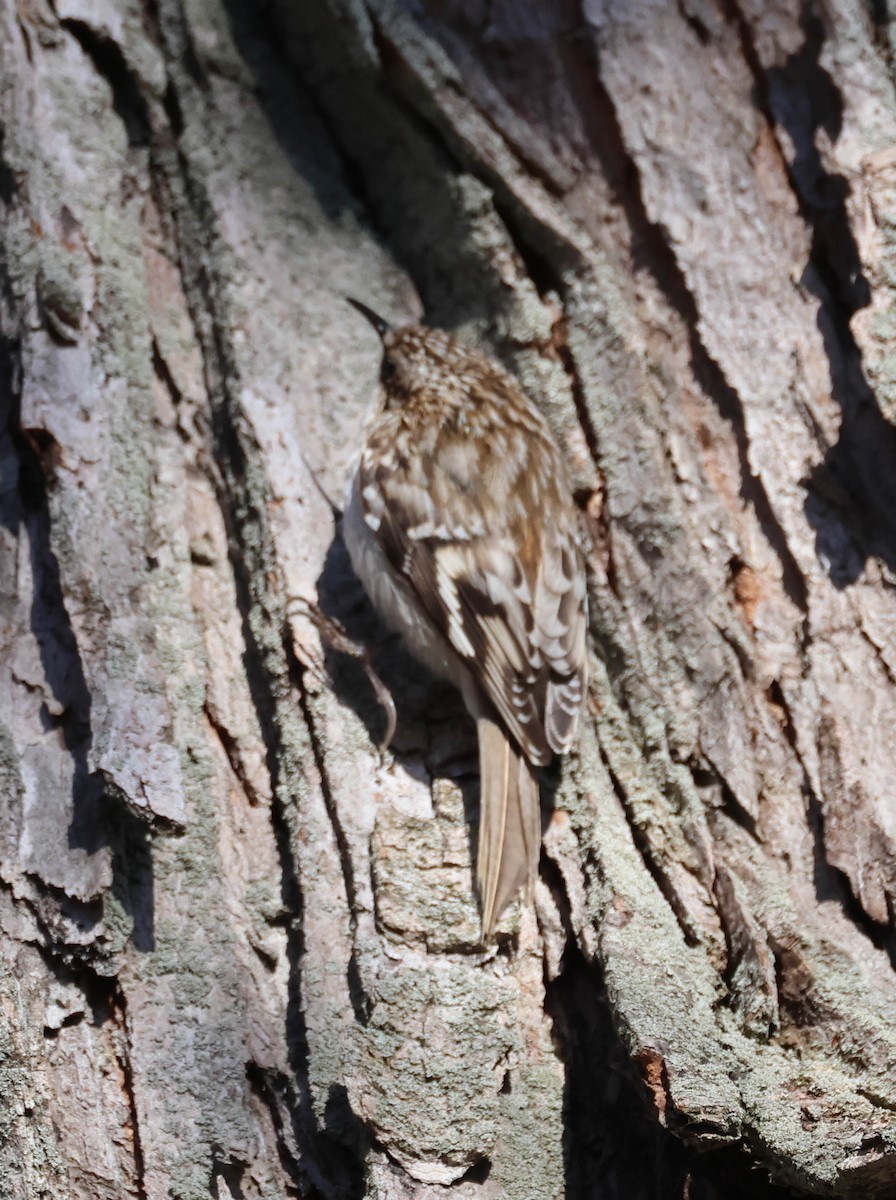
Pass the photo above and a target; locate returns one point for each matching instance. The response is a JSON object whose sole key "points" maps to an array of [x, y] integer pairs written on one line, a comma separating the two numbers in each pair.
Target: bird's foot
{"points": [[334, 635]]}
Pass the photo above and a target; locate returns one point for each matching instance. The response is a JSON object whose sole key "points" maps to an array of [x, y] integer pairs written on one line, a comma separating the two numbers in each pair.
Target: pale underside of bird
{"points": [[460, 525]]}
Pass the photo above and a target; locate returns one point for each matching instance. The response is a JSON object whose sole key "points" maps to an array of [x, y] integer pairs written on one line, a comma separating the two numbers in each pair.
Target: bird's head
{"points": [[415, 358]]}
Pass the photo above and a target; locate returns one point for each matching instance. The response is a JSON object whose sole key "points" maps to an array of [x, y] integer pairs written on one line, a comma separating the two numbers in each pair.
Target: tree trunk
{"points": [[241, 953]]}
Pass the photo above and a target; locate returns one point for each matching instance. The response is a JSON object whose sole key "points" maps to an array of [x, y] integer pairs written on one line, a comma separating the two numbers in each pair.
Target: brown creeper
{"points": [[461, 526]]}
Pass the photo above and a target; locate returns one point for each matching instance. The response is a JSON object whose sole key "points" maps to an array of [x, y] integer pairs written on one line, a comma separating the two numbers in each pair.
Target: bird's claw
{"points": [[332, 632]]}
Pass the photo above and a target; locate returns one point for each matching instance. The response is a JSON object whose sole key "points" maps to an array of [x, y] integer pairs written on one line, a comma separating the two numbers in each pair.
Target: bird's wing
{"points": [[464, 527]]}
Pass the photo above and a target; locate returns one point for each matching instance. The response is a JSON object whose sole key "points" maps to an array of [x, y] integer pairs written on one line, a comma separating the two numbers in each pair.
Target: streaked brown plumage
{"points": [[461, 527]]}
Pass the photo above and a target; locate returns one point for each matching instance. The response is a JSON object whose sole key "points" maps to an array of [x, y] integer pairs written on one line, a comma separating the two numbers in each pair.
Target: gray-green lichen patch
{"points": [[427, 1069], [422, 874], [30, 1162], [530, 1144], [59, 297], [663, 991]]}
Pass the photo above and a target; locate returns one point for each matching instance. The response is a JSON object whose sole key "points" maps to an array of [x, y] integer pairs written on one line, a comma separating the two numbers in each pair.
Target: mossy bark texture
{"points": [[240, 953]]}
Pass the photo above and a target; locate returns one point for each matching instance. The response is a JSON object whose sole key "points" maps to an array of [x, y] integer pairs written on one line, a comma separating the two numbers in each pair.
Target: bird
{"points": [[461, 526]]}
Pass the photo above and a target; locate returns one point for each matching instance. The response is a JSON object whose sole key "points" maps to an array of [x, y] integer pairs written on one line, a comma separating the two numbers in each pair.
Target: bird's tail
{"points": [[509, 823]]}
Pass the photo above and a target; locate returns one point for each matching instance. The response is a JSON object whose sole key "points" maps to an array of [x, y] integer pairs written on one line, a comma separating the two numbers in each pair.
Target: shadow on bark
{"points": [[25, 514], [98, 819], [434, 733], [611, 1128], [851, 495], [324, 1158], [130, 840]]}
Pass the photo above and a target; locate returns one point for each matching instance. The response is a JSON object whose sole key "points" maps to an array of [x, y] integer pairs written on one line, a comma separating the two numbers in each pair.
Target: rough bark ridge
{"points": [[239, 955]]}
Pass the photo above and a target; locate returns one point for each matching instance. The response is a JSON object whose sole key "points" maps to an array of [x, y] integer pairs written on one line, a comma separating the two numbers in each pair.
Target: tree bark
{"points": [[241, 953]]}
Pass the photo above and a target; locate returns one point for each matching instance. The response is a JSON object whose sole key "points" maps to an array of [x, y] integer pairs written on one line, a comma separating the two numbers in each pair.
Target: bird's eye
{"points": [[387, 370]]}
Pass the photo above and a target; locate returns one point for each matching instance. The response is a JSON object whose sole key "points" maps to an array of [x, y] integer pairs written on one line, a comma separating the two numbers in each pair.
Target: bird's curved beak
{"points": [[382, 327]]}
